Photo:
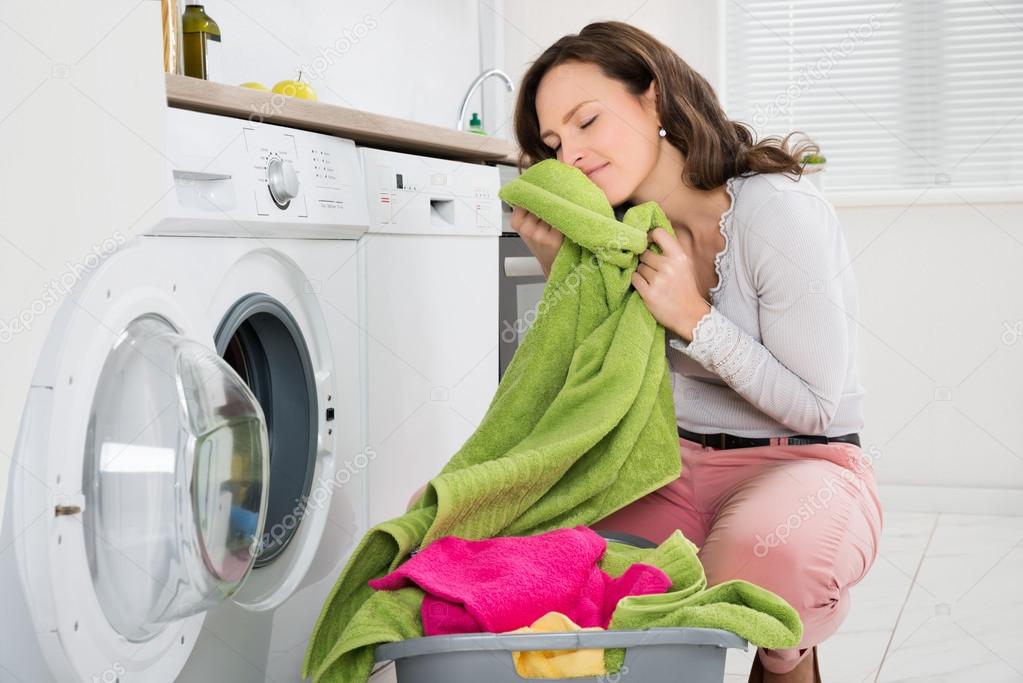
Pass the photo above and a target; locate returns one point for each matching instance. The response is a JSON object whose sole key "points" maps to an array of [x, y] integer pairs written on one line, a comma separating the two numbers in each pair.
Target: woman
{"points": [[758, 301]]}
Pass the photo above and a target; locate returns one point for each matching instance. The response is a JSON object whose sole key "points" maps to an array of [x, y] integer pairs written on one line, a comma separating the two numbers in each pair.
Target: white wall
{"points": [[938, 285], [412, 60], [531, 26], [81, 133]]}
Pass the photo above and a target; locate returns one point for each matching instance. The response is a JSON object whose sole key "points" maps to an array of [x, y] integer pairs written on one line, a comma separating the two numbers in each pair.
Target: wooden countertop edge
{"points": [[365, 128]]}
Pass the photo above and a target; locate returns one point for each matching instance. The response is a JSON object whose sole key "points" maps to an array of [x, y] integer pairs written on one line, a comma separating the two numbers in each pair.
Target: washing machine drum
{"points": [[262, 342]]}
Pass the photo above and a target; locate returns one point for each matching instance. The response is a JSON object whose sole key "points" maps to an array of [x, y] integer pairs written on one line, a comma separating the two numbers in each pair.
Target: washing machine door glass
{"points": [[175, 479]]}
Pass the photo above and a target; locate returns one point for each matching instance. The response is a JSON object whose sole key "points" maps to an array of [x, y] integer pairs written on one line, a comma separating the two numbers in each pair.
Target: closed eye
{"points": [[555, 149]]}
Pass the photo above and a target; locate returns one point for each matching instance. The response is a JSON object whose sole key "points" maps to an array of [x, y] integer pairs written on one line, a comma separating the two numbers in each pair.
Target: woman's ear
{"points": [[651, 94]]}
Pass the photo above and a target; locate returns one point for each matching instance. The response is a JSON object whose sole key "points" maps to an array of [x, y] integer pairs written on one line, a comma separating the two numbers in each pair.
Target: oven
{"points": [[521, 283], [521, 280]]}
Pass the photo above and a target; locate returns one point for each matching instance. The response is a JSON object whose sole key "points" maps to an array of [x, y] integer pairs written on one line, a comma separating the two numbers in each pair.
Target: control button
{"points": [[282, 180]]}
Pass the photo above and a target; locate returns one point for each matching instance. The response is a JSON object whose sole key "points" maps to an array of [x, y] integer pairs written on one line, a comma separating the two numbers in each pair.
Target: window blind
{"points": [[898, 95]]}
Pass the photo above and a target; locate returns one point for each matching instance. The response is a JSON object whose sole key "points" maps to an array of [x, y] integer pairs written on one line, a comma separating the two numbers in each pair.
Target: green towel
{"points": [[582, 423], [754, 613]]}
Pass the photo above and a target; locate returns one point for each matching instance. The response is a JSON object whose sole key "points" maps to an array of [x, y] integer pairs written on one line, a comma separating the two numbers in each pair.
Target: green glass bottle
{"points": [[199, 32]]}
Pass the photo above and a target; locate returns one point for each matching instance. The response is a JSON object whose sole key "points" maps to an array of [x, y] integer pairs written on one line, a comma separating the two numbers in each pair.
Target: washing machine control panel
{"points": [[250, 178]]}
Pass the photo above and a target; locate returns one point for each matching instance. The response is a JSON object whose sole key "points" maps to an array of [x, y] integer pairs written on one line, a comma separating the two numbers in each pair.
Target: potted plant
{"points": [[813, 166]]}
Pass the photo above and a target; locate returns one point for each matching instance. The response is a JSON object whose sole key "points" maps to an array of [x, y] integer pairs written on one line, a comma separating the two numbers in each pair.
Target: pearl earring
{"points": [[662, 132]]}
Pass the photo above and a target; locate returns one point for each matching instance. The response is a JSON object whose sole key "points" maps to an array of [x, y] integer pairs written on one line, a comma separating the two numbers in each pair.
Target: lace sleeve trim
{"points": [[721, 346]]}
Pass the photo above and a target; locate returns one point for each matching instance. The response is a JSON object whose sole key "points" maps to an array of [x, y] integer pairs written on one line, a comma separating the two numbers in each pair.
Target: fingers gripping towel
{"points": [[500, 584], [582, 422]]}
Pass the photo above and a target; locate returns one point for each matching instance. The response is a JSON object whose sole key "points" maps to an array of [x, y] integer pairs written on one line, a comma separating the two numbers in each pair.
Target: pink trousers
{"points": [[802, 521]]}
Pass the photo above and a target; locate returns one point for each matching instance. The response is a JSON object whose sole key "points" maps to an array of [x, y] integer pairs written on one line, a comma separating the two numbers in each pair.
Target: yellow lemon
{"points": [[255, 85]]}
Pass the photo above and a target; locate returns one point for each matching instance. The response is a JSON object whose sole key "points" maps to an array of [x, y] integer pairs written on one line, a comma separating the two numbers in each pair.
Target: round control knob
{"points": [[283, 181]]}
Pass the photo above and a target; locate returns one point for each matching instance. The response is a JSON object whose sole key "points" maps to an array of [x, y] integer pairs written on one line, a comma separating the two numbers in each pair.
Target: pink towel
{"points": [[500, 584]]}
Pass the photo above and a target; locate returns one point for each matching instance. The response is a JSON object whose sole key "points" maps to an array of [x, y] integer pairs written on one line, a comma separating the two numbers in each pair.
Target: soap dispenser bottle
{"points": [[475, 125]]}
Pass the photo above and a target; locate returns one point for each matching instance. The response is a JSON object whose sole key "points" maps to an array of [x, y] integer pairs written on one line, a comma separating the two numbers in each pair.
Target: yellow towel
{"points": [[557, 663]]}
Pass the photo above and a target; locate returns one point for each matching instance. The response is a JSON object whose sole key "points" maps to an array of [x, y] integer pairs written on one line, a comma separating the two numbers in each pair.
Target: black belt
{"points": [[722, 440]]}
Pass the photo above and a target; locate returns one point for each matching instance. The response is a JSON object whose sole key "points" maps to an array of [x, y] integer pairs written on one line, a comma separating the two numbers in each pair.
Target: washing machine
{"points": [[430, 315], [189, 474]]}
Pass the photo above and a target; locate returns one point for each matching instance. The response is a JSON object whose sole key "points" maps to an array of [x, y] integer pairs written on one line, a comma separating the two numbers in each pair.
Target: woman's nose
{"points": [[569, 153], [574, 158]]}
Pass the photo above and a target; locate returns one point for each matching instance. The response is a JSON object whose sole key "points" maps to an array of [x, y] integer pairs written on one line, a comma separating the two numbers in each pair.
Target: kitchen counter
{"points": [[365, 128]]}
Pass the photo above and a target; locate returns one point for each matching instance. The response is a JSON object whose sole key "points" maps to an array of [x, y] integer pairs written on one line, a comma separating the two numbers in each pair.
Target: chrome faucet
{"points": [[472, 89]]}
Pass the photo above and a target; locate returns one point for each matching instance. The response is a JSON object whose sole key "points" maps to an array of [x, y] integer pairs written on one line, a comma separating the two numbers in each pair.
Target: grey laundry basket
{"points": [[656, 655]]}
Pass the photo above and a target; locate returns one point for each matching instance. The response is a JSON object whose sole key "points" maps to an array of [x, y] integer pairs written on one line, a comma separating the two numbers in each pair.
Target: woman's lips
{"points": [[597, 170]]}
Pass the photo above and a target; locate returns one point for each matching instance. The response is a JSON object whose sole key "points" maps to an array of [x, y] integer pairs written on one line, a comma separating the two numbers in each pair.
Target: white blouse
{"points": [[776, 355]]}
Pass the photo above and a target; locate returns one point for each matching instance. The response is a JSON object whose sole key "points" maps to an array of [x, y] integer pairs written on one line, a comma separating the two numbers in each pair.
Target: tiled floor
{"points": [[942, 603]]}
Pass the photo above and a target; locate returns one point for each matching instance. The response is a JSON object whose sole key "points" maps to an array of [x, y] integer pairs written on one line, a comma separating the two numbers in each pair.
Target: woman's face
{"points": [[595, 124]]}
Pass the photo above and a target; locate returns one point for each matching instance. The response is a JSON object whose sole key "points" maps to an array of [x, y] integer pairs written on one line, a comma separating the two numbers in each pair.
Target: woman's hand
{"points": [[543, 240], [667, 283]]}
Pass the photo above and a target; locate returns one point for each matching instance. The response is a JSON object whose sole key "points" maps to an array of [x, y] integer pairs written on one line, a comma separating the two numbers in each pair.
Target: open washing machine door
{"points": [[138, 492]]}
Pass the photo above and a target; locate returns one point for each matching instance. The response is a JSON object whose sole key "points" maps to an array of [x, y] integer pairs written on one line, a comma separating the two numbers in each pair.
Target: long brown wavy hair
{"points": [[715, 147]]}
